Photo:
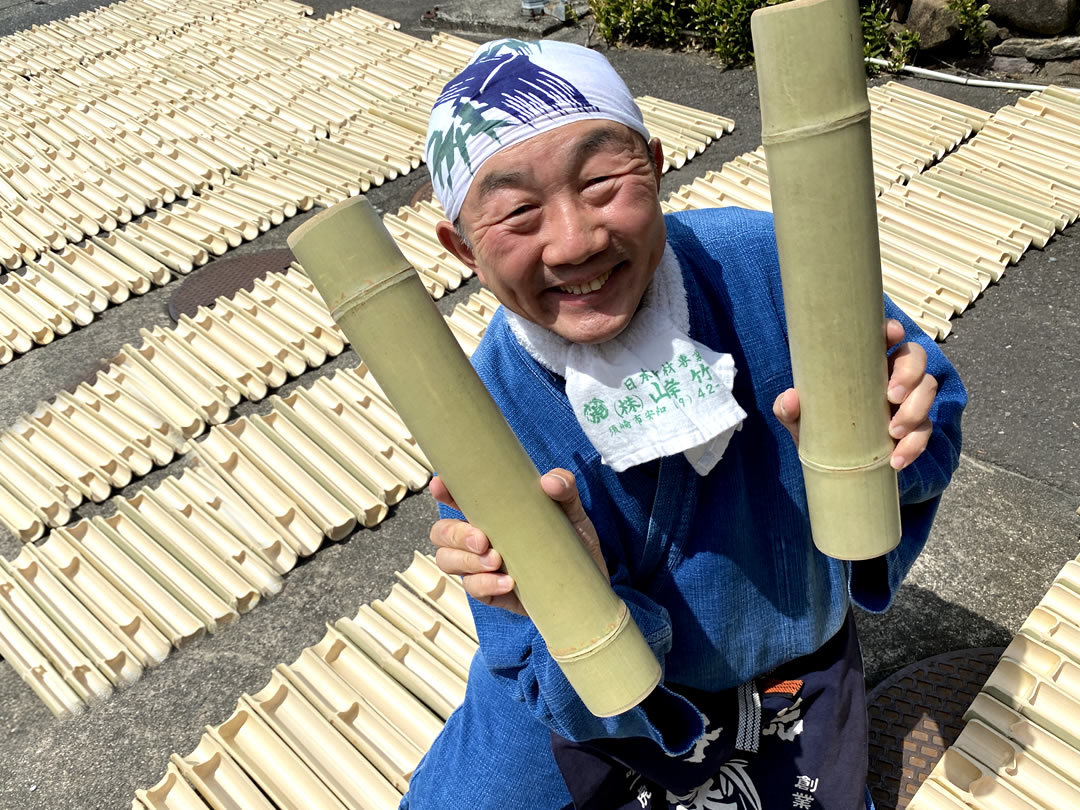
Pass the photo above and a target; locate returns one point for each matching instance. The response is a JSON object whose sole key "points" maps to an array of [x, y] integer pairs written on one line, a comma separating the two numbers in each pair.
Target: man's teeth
{"points": [[588, 287]]}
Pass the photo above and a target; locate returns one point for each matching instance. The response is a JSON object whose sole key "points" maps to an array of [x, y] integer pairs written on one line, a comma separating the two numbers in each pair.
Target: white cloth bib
{"points": [[651, 391]]}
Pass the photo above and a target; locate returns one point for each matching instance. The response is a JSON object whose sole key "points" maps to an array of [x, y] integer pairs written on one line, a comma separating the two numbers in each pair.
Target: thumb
{"points": [[560, 486]]}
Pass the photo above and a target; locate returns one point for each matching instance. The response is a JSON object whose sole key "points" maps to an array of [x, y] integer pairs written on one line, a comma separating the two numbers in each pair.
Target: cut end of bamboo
{"points": [[792, 93], [622, 652], [854, 514]]}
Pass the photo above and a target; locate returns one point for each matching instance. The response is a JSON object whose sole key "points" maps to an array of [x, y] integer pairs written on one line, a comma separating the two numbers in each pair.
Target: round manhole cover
{"points": [[916, 714]]}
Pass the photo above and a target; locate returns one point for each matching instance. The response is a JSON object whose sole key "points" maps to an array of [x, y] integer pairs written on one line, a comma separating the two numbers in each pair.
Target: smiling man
{"points": [[643, 360]]}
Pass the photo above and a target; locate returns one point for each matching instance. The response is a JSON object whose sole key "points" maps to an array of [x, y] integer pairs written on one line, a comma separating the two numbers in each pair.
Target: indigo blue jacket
{"points": [[719, 572]]}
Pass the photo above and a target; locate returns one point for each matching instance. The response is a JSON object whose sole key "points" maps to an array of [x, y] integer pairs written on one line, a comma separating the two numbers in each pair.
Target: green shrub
{"points": [[723, 26], [971, 16], [659, 23]]}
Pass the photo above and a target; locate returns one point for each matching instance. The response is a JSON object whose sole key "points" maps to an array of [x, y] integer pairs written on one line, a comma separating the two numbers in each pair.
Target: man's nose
{"points": [[573, 234]]}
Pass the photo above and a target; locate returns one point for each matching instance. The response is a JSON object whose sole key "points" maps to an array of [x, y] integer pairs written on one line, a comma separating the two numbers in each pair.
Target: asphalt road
{"points": [[1005, 526]]}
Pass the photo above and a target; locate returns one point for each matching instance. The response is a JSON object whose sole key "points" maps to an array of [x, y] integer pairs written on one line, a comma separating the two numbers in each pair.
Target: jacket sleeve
{"points": [[874, 582], [515, 653]]}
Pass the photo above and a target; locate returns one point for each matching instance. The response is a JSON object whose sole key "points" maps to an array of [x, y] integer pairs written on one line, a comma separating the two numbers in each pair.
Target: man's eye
{"points": [[597, 180], [521, 209]]}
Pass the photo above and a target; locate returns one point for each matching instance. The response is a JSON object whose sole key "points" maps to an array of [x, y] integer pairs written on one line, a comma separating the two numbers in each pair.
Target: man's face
{"points": [[566, 228]]}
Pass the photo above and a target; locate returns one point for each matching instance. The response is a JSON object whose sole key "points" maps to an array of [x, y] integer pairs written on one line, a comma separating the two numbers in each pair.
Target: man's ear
{"points": [[656, 150], [450, 239]]}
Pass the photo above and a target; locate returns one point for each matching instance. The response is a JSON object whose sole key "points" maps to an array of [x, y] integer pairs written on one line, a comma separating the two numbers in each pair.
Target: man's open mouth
{"points": [[590, 286]]}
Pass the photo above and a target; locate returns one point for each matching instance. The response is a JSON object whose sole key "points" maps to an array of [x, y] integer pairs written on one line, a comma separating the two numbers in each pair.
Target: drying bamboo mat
{"points": [[915, 715], [225, 278]]}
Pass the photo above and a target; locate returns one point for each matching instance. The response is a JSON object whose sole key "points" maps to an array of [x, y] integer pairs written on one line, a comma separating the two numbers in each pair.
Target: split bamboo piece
{"points": [[386, 696], [90, 482], [261, 494], [278, 771], [1035, 698], [186, 588], [1036, 741], [115, 611], [219, 780], [19, 518], [393, 664], [974, 785], [241, 519], [20, 453], [1015, 767], [171, 793], [201, 522], [335, 521], [32, 493], [349, 418], [445, 594], [820, 142], [171, 618], [36, 670], [96, 641], [329, 755], [176, 539], [387, 748], [299, 409], [432, 631], [587, 628], [74, 667]]}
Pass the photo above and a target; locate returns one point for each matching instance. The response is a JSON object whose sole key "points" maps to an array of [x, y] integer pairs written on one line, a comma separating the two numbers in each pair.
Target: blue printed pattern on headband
{"points": [[503, 79], [511, 91]]}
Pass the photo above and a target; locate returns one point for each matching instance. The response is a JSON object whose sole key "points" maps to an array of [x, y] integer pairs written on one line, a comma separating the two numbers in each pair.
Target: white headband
{"points": [[509, 92]]}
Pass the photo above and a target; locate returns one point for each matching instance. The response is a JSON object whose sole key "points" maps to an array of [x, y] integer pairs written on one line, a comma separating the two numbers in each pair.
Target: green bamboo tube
{"points": [[815, 125], [382, 306]]}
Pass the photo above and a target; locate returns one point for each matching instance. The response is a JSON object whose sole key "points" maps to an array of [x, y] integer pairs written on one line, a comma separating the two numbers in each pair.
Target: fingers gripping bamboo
{"points": [[383, 307], [822, 188]]}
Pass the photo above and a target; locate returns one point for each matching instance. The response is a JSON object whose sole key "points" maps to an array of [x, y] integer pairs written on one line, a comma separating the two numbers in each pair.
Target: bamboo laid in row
{"points": [[192, 555], [170, 388], [228, 148], [153, 163], [357, 267], [988, 201], [344, 725], [1019, 747]]}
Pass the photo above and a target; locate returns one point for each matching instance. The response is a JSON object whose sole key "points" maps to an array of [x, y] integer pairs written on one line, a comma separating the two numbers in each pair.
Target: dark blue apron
{"points": [[796, 738]]}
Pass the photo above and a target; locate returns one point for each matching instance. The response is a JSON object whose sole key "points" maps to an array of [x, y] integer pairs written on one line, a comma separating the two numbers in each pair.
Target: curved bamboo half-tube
{"points": [[276, 769], [36, 670], [230, 510], [200, 521], [166, 570], [115, 611], [74, 667], [181, 543], [386, 747], [219, 780], [108, 653], [171, 793], [333, 758], [822, 188], [392, 322]]}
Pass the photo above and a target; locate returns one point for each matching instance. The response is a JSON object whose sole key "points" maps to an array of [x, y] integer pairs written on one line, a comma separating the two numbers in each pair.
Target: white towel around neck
{"points": [[652, 390]]}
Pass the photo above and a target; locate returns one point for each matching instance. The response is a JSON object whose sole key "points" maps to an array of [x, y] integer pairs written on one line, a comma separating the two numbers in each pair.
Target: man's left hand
{"points": [[911, 392]]}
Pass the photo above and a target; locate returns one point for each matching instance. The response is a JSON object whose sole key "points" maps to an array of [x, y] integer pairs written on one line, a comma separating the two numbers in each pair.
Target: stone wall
{"points": [[1035, 39]]}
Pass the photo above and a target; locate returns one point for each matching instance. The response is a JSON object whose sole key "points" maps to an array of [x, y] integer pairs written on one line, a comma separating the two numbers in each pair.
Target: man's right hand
{"points": [[464, 550]]}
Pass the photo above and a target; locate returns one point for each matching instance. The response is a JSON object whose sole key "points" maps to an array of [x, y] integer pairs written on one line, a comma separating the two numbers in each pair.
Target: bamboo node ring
{"points": [[817, 128], [831, 468]]}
